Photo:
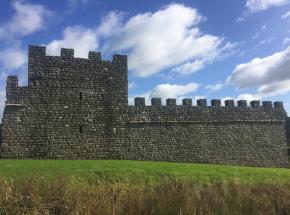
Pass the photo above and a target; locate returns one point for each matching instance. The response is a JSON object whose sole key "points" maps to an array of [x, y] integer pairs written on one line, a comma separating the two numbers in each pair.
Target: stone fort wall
{"points": [[76, 108]]}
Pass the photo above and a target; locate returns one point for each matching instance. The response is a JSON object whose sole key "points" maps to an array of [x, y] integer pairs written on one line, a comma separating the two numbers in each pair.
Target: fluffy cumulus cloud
{"points": [[166, 39], [110, 24], [28, 19], [81, 39], [173, 90], [167, 90], [253, 6], [276, 88], [259, 5], [270, 74], [262, 70]]}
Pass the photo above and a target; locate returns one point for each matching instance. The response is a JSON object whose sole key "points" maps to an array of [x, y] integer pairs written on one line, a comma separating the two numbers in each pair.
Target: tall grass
{"points": [[61, 195]]}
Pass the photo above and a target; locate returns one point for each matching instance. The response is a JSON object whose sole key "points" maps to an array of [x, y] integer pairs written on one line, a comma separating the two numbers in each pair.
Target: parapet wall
{"points": [[202, 112]]}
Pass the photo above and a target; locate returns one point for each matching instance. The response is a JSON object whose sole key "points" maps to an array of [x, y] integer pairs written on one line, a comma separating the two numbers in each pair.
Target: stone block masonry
{"points": [[76, 108]]}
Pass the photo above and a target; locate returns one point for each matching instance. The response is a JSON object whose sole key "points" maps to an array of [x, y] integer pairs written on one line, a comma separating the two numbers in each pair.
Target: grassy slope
{"points": [[136, 172]]}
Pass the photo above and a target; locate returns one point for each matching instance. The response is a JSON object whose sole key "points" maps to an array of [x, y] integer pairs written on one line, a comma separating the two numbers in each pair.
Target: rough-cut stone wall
{"points": [[0, 136], [288, 134], [77, 108], [67, 110], [232, 135]]}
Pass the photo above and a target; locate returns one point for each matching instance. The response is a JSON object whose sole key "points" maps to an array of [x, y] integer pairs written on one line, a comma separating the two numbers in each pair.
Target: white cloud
{"points": [[173, 90], [259, 5], [28, 19], [12, 58], [164, 39], [110, 24], [253, 6], [165, 91], [195, 65], [81, 39], [249, 97], [274, 89], [270, 74], [260, 71], [214, 87], [286, 15], [286, 41], [189, 67]]}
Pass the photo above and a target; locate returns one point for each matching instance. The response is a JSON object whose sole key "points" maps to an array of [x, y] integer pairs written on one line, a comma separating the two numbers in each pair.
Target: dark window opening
{"points": [[81, 129], [81, 96]]}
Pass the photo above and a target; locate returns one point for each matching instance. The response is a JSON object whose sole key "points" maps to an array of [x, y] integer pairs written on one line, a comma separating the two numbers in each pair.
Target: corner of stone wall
{"points": [[288, 134], [0, 139]]}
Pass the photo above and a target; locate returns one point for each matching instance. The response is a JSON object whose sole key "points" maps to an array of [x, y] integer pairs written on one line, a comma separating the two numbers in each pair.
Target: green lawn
{"points": [[138, 172]]}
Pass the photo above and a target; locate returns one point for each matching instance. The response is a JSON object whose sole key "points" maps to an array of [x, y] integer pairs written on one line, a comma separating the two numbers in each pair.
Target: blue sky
{"points": [[199, 49]]}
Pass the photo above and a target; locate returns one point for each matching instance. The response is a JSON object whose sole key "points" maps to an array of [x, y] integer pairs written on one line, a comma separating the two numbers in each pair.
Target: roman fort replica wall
{"points": [[76, 108]]}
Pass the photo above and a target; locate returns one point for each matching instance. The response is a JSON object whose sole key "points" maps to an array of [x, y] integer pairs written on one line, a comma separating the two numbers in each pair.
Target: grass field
{"points": [[138, 172], [140, 187]]}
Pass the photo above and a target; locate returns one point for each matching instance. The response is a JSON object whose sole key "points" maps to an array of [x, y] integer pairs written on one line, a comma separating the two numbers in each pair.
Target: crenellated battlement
{"points": [[12, 82], [36, 51], [214, 103], [228, 112], [57, 74], [43, 68], [39, 52]]}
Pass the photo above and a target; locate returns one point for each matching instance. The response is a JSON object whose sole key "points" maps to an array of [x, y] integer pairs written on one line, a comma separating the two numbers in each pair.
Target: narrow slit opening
{"points": [[81, 129]]}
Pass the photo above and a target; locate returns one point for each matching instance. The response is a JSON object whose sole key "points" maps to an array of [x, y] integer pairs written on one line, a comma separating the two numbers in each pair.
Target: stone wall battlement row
{"points": [[38, 52], [203, 114], [139, 102]]}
